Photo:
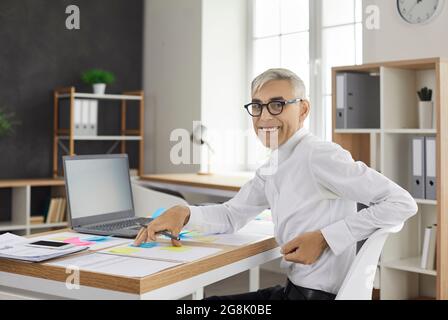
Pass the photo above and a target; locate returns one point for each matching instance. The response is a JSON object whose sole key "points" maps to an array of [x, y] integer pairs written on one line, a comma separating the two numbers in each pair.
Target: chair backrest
{"points": [[358, 283], [147, 201]]}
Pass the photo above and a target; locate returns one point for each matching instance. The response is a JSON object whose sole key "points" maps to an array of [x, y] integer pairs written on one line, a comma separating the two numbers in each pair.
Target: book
{"points": [[431, 263], [425, 247], [37, 219], [51, 209]]}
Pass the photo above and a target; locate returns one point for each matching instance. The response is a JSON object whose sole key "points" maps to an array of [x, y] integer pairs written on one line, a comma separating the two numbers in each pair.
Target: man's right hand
{"points": [[172, 220]]}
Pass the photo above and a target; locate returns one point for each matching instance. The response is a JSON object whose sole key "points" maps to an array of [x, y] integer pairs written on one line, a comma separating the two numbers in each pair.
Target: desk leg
{"points": [[254, 279], [198, 294]]}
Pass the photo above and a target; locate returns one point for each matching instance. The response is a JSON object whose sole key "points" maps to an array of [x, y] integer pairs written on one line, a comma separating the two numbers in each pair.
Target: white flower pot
{"points": [[426, 115], [99, 88]]}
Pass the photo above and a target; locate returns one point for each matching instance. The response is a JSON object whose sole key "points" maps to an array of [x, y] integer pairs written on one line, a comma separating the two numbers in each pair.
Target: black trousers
{"points": [[289, 292]]}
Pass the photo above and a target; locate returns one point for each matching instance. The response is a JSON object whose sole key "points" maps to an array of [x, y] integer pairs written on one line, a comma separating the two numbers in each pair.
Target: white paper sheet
{"points": [[84, 240], [115, 265], [232, 239], [163, 251]]}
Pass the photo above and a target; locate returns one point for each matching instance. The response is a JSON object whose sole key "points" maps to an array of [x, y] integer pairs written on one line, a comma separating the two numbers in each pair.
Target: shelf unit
{"points": [[67, 134], [23, 199], [387, 150]]}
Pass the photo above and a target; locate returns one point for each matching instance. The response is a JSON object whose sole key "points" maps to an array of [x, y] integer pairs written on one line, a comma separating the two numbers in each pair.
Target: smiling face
{"points": [[273, 131]]}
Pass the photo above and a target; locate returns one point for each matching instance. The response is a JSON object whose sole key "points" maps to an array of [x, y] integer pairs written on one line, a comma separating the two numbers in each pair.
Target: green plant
{"points": [[97, 76], [7, 123], [425, 94]]}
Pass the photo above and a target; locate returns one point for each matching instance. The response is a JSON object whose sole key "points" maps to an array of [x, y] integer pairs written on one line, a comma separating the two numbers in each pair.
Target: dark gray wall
{"points": [[38, 54]]}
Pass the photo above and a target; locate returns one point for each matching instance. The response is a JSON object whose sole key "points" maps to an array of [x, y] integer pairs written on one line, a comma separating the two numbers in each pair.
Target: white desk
{"points": [[20, 280]]}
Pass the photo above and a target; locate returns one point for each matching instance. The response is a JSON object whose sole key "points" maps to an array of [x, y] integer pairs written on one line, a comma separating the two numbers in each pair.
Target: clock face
{"points": [[418, 11]]}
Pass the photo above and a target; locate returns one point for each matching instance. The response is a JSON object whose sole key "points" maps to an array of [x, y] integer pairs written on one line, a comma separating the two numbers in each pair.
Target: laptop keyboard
{"points": [[119, 225]]}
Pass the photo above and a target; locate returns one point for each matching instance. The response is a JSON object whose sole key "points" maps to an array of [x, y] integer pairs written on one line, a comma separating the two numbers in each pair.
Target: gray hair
{"points": [[280, 74]]}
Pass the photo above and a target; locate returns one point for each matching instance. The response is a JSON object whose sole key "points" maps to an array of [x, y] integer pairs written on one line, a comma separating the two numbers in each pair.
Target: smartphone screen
{"points": [[52, 244]]}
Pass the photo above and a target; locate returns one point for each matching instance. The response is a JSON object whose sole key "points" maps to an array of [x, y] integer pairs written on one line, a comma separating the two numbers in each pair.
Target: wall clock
{"points": [[419, 11]]}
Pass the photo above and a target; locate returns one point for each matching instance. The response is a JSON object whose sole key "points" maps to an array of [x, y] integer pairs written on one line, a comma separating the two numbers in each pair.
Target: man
{"points": [[312, 188]]}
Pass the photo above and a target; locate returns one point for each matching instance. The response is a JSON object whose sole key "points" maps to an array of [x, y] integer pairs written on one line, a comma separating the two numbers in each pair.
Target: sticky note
{"points": [[205, 239], [124, 250], [97, 239], [175, 249], [77, 242], [147, 245], [59, 239], [158, 212]]}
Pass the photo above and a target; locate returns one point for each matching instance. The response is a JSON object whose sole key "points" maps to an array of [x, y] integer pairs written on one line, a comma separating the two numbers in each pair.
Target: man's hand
{"points": [[172, 220], [305, 249]]}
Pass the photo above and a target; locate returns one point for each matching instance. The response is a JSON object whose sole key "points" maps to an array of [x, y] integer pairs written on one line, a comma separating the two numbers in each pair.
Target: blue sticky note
{"points": [[97, 239], [158, 212], [147, 245]]}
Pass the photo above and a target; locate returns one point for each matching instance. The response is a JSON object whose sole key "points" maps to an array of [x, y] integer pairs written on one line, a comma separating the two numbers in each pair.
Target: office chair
{"points": [[148, 201], [358, 283]]}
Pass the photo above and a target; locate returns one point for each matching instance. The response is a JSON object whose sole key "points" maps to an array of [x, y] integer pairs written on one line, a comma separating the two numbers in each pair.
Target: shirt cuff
{"points": [[196, 220], [338, 237]]}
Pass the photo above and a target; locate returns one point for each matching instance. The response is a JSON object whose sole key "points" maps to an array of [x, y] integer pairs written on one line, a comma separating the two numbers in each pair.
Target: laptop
{"points": [[99, 195]]}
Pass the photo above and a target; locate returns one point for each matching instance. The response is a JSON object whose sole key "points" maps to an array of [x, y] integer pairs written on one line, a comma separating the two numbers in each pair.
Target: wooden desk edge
{"points": [[190, 183]]}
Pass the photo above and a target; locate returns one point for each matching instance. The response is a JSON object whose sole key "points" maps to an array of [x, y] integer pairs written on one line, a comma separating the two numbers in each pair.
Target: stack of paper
{"points": [[13, 247]]}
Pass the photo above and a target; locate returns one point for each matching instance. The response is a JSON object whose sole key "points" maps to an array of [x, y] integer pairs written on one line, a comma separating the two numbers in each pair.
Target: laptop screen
{"points": [[98, 186]]}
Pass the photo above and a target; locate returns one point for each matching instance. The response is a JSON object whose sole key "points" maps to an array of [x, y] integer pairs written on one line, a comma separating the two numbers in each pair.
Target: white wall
{"points": [[398, 40], [194, 69], [172, 77], [224, 79]]}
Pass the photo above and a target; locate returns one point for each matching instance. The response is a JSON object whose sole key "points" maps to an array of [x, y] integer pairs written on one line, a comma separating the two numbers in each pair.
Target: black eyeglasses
{"points": [[275, 107]]}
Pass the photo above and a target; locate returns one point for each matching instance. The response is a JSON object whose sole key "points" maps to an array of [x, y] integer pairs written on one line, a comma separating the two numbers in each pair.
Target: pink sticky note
{"points": [[77, 242]]}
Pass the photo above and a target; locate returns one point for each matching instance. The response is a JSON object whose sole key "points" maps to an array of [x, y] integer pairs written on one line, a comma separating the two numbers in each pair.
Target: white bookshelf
{"points": [[387, 149], [22, 194]]}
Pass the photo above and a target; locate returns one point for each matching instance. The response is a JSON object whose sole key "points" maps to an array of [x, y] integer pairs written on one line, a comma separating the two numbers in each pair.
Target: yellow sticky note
{"points": [[176, 249], [124, 250], [205, 239], [59, 239]]}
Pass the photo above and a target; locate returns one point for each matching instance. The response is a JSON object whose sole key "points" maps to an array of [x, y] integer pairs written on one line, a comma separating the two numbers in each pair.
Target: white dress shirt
{"points": [[315, 185]]}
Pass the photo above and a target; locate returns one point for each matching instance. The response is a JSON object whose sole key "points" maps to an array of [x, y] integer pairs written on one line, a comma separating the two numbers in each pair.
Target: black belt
{"points": [[294, 292]]}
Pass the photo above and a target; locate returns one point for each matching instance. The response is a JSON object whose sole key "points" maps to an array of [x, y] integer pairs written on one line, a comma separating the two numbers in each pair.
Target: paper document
{"points": [[13, 247], [162, 251], [230, 239], [115, 265], [85, 240]]}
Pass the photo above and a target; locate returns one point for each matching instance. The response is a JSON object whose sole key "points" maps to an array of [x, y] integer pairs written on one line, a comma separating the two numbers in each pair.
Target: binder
{"points": [[357, 100], [85, 117], [341, 101], [77, 117], [417, 167], [430, 177], [93, 117]]}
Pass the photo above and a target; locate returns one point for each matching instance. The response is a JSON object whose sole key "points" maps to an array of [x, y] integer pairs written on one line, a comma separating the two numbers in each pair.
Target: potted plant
{"points": [[98, 79], [7, 123], [425, 109]]}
